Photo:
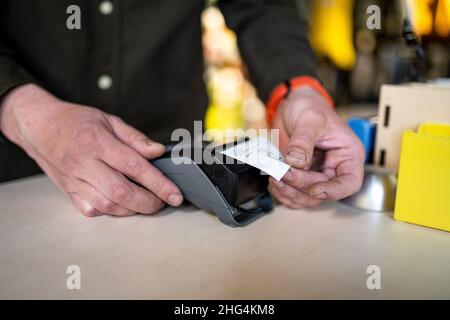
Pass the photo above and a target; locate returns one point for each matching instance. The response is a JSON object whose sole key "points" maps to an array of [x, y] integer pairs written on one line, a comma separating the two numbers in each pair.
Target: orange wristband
{"points": [[283, 89]]}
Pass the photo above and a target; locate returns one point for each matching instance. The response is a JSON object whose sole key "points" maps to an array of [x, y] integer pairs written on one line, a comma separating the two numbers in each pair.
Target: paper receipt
{"points": [[259, 153]]}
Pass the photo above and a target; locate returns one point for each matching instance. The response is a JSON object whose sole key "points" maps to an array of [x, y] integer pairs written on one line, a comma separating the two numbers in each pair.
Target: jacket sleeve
{"points": [[272, 39], [12, 74]]}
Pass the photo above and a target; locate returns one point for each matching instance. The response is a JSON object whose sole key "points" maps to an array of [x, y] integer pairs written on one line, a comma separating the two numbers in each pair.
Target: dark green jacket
{"points": [[151, 49]]}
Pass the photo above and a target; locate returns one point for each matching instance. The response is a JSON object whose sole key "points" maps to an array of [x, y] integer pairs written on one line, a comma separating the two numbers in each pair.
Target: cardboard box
{"points": [[405, 107]]}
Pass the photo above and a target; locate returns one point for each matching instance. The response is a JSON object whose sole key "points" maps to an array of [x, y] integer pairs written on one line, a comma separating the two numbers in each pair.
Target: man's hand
{"points": [[326, 156], [87, 153]]}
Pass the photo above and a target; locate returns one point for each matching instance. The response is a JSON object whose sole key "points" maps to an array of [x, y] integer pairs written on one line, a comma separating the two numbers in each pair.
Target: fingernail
{"points": [[175, 199], [320, 195], [288, 176], [154, 145], [296, 158]]}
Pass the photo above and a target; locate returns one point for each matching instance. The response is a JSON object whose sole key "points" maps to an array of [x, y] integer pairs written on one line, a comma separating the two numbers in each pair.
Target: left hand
{"points": [[327, 158]]}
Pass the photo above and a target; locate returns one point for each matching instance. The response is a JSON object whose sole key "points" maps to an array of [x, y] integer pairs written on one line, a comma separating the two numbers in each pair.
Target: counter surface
{"points": [[185, 253]]}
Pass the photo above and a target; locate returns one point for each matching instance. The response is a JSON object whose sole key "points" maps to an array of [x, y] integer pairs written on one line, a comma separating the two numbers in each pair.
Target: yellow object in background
{"points": [[423, 191], [421, 15], [232, 103], [225, 88], [332, 31], [442, 20], [426, 21]]}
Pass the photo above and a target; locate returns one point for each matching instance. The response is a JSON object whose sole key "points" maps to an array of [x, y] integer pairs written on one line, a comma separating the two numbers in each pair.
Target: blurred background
{"points": [[354, 60]]}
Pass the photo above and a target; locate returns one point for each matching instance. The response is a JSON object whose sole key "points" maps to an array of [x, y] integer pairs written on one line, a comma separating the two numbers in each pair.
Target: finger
{"points": [[307, 130], [296, 196], [99, 201], [348, 180], [135, 139], [302, 179], [114, 186], [86, 198], [130, 163], [55, 175], [285, 200], [85, 208]]}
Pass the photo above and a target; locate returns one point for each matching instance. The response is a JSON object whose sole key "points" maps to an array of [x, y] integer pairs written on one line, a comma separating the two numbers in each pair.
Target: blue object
{"points": [[365, 130]]}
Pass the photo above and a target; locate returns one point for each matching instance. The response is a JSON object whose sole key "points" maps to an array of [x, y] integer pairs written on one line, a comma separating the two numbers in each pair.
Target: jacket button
{"points": [[104, 82], [106, 7]]}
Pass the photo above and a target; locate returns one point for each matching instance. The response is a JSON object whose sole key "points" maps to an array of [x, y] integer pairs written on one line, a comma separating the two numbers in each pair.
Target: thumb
{"points": [[135, 139], [306, 131]]}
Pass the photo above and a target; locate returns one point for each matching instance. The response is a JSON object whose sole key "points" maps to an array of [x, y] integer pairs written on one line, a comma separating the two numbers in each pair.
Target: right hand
{"points": [[89, 154]]}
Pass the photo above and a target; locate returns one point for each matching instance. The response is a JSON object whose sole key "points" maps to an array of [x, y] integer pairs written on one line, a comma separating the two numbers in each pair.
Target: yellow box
{"points": [[423, 190]]}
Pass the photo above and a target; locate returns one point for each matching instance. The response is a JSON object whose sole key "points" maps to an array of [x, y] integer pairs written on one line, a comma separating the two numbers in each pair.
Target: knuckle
{"points": [[115, 118], [90, 213], [133, 167], [86, 136], [302, 141], [290, 193], [158, 186], [155, 205], [107, 206], [301, 181], [119, 192], [70, 162], [135, 137]]}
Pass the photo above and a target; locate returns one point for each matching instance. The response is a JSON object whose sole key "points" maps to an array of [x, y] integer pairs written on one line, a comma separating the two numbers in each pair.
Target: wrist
{"points": [[304, 93], [21, 108], [303, 85]]}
